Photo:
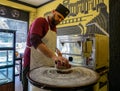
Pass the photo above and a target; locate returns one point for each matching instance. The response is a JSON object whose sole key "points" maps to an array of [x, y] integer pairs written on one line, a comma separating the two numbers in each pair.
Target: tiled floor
{"points": [[18, 84]]}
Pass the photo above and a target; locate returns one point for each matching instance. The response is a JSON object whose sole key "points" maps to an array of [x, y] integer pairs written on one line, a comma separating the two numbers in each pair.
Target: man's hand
{"points": [[62, 63], [58, 52]]}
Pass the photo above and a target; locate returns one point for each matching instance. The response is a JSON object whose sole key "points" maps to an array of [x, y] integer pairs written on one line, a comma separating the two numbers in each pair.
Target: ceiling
{"points": [[32, 3]]}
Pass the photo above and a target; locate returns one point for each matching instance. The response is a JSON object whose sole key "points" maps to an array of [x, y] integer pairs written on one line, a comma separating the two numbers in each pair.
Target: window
{"points": [[21, 31]]}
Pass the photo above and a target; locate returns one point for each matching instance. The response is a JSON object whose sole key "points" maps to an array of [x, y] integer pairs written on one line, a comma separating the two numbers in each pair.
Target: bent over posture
{"points": [[41, 43]]}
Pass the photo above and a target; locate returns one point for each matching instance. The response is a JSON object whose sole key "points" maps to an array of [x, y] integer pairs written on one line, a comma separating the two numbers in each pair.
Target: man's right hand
{"points": [[62, 63]]}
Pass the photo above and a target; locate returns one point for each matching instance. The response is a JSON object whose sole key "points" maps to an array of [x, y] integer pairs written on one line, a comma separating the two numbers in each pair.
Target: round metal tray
{"points": [[74, 77]]}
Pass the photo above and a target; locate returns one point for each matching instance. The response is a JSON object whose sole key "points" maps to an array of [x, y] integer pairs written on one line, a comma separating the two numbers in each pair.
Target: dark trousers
{"points": [[24, 78]]}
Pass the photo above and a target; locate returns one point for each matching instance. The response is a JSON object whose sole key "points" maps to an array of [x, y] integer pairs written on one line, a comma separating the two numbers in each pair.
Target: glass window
{"points": [[6, 39], [6, 75], [6, 57], [21, 31]]}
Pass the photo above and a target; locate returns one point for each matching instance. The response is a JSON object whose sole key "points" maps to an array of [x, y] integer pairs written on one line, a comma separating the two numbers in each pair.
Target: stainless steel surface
{"points": [[75, 46], [90, 51]]}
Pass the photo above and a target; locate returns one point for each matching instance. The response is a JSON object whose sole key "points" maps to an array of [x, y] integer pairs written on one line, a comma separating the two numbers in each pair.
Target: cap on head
{"points": [[62, 10]]}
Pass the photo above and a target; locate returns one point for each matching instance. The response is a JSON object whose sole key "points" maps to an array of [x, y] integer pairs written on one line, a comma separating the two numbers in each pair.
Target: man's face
{"points": [[57, 18]]}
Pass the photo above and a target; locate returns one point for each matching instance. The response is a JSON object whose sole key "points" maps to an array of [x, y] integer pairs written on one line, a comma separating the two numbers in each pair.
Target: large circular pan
{"points": [[51, 77]]}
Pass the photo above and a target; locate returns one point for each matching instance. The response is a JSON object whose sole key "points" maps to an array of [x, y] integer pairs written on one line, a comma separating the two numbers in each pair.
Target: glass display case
{"points": [[7, 56], [71, 47], [85, 50]]}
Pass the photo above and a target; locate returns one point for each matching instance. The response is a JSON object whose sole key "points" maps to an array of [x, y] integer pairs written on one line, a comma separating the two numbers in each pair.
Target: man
{"points": [[41, 43]]}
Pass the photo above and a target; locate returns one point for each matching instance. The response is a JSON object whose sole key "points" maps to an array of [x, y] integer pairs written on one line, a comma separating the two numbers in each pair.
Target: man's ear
{"points": [[53, 11]]}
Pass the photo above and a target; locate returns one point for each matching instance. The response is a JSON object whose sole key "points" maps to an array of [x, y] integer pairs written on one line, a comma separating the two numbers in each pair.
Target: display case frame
{"points": [[7, 61]]}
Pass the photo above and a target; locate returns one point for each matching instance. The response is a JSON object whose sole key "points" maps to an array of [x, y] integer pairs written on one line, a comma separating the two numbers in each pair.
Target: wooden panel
{"points": [[7, 87]]}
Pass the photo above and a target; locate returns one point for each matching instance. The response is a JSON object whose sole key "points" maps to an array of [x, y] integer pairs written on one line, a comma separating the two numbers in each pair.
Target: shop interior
{"points": [[84, 37]]}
